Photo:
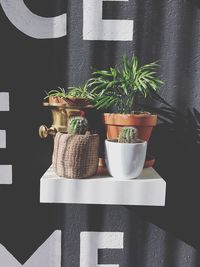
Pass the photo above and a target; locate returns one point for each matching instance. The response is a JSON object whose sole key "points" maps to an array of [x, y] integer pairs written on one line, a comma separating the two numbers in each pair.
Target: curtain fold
{"points": [[167, 31]]}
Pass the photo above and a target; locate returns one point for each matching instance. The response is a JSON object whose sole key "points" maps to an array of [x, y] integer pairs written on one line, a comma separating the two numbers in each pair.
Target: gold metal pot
{"points": [[60, 116]]}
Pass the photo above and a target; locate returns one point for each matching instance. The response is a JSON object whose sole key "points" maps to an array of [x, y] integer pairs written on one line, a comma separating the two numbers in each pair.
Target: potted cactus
{"points": [[125, 156], [75, 153]]}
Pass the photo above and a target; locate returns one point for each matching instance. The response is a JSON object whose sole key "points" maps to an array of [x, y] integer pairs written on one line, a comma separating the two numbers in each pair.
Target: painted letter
{"points": [[47, 255], [95, 28], [31, 24], [90, 242], [5, 170]]}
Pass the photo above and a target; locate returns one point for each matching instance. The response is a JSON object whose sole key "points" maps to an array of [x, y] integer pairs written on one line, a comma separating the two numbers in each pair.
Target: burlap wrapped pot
{"points": [[75, 156]]}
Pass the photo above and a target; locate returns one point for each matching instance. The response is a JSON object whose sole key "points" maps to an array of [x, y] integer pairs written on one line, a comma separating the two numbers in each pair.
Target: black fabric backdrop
{"points": [[165, 30]]}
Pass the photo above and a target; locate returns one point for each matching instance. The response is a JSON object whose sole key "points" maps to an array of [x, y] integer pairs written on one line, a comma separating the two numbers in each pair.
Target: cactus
{"points": [[128, 135], [77, 125]]}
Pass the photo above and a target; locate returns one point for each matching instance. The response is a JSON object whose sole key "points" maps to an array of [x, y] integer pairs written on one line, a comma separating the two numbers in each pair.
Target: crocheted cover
{"points": [[75, 156]]}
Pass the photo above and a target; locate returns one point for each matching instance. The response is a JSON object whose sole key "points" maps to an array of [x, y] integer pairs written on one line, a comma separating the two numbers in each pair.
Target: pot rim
{"points": [[117, 119], [89, 134], [113, 141], [139, 114], [47, 104]]}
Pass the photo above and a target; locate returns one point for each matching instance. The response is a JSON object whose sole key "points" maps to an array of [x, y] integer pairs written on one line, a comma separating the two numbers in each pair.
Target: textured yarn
{"points": [[75, 156]]}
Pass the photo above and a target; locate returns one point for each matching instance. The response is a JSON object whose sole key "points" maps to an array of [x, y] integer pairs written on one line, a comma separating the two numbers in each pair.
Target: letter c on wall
{"points": [[31, 24]]}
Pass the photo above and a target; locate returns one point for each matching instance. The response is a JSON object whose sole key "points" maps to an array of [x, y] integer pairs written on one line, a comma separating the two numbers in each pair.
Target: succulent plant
{"points": [[128, 135], [77, 125]]}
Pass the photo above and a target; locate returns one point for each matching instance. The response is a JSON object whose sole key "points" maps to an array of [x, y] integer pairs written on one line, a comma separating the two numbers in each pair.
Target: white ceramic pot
{"points": [[123, 160]]}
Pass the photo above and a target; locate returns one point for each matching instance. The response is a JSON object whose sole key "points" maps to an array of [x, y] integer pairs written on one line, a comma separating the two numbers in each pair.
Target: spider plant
{"points": [[81, 92], [60, 92], [121, 86]]}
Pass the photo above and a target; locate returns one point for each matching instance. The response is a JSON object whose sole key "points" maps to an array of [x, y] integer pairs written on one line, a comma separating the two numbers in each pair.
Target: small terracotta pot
{"points": [[77, 101], [149, 163], [70, 101], [54, 99], [144, 122], [102, 170]]}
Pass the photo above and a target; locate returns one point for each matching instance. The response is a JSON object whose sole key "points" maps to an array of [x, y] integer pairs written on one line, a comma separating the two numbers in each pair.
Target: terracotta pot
{"points": [[54, 99], [102, 170], [77, 101], [70, 101], [149, 163], [144, 122]]}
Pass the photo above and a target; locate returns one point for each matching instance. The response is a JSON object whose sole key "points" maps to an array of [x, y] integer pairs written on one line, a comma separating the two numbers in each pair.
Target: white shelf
{"points": [[148, 189]]}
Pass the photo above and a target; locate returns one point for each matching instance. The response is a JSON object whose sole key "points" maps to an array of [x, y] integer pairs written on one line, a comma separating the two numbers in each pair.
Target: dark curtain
{"points": [[164, 30]]}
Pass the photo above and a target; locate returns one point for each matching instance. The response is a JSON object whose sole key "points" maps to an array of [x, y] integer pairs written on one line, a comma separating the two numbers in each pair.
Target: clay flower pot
{"points": [[54, 99], [77, 101], [149, 162], [144, 122], [69, 101]]}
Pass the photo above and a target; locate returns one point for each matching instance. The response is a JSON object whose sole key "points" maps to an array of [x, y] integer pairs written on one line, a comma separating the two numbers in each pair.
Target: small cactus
{"points": [[77, 125], [128, 135]]}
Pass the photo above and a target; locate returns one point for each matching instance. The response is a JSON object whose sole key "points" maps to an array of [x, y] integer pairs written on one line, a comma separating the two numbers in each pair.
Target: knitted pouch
{"points": [[75, 156]]}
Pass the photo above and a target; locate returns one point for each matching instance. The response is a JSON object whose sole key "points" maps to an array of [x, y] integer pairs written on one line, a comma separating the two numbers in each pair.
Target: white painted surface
{"points": [[5, 170], [90, 242], [4, 101], [124, 160], [2, 139], [148, 190], [47, 255], [95, 28], [5, 174], [31, 24]]}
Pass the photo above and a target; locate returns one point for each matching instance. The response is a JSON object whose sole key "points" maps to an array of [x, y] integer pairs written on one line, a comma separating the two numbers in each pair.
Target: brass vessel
{"points": [[60, 116]]}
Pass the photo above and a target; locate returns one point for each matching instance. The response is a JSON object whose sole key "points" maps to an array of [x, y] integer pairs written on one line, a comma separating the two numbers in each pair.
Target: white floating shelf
{"points": [[148, 189]]}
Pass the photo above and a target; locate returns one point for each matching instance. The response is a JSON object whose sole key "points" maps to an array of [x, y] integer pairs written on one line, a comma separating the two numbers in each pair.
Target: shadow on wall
{"points": [[196, 2], [176, 146]]}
